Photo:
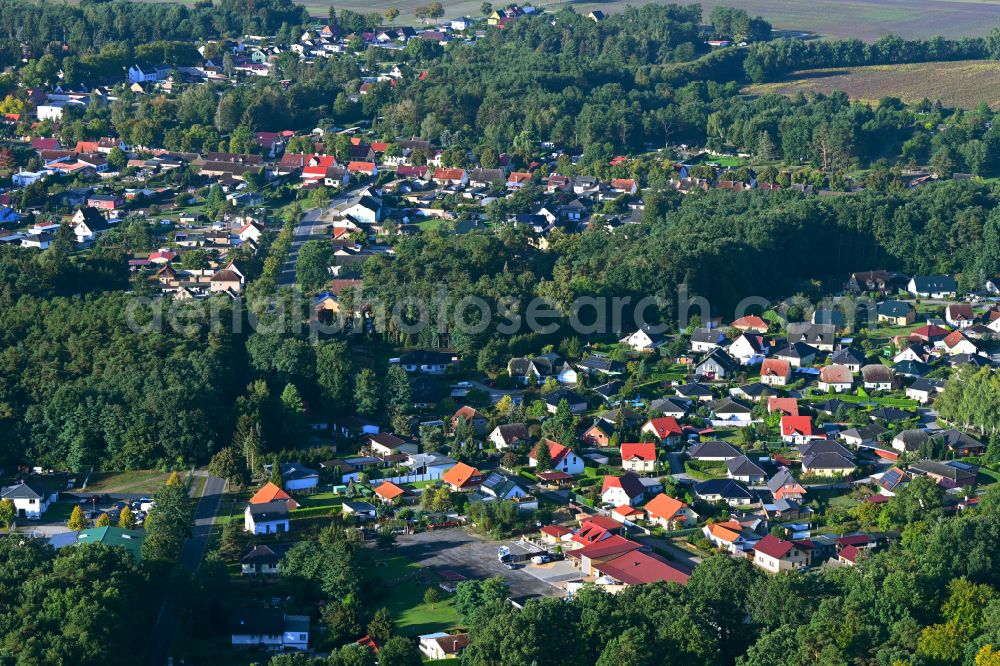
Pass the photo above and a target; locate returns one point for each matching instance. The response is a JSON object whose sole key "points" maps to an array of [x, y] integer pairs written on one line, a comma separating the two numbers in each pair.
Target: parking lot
{"points": [[476, 557]]}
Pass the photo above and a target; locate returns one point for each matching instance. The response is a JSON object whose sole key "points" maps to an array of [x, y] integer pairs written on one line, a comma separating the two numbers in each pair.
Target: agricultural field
{"points": [[962, 84], [839, 19]]}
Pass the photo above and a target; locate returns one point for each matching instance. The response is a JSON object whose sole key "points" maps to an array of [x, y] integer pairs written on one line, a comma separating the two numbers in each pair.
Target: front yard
{"points": [[404, 583]]}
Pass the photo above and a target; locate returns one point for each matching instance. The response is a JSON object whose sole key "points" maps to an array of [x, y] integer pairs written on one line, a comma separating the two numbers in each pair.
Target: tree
{"points": [[400, 651], [312, 270], [333, 371], [398, 394], [8, 513], [168, 523], [381, 627], [117, 159], [293, 415], [126, 519], [391, 14], [77, 521], [435, 10], [275, 477], [543, 458], [432, 596], [486, 8], [366, 393], [242, 140], [103, 520], [233, 542], [229, 464]]}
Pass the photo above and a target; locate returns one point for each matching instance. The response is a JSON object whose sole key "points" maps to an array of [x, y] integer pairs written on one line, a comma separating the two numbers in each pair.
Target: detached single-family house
{"points": [[932, 286], [727, 409], [951, 474], [670, 513], [31, 498], [730, 491], [827, 464], [878, 377], [850, 358], [643, 340], [745, 470], [296, 476], [896, 313], [836, 378], [955, 343], [360, 511], [798, 430], [775, 372], [503, 487], [706, 339], [714, 451], [267, 518], [798, 354], [462, 477], [507, 435], [269, 629], [440, 645], [386, 444], [924, 390], [717, 365], [664, 428], [263, 560], [88, 223], [784, 486], [624, 489], [472, 416], [749, 349], [563, 458], [775, 555], [639, 457], [750, 323]]}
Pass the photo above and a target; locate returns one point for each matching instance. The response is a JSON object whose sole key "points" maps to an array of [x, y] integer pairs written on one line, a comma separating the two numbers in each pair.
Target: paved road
{"points": [[311, 227], [165, 628]]}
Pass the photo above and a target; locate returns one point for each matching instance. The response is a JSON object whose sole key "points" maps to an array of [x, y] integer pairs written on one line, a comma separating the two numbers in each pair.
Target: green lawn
{"points": [[405, 583], [59, 512], [134, 481], [987, 476]]}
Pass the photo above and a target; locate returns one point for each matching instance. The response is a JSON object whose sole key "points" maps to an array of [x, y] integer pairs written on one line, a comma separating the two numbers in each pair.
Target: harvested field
{"points": [[962, 84]]}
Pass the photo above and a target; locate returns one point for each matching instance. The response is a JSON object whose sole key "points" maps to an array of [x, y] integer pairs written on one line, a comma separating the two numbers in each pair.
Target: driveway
{"points": [[162, 637], [472, 556], [676, 460]]}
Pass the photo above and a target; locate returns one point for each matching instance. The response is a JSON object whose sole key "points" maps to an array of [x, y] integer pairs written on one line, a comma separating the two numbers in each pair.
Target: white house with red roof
{"points": [[666, 429], [775, 555], [624, 489], [564, 459], [251, 231], [798, 430], [775, 372], [638, 456]]}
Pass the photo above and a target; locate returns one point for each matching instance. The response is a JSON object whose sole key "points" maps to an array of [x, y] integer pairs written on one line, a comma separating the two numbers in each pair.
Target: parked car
{"points": [[541, 559]]}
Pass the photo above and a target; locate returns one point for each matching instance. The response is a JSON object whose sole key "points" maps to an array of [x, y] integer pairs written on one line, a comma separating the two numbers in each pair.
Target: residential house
{"points": [[507, 435], [296, 476], [455, 177], [388, 492], [836, 379], [775, 372], [784, 486], [269, 629], [924, 390], [866, 436], [798, 430], [745, 470], [386, 444], [263, 560], [956, 343], [440, 645], [850, 358], [749, 348], [750, 324], [31, 497], [713, 451], [473, 417], [880, 281], [950, 474], [598, 435], [775, 555], [88, 223], [270, 492], [665, 428], [537, 368], [717, 365], [643, 340], [730, 491], [821, 337], [360, 511], [670, 513], [695, 391], [562, 458], [798, 354], [878, 377], [462, 477], [670, 407], [827, 464], [896, 313], [577, 403], [427, 361], [727, 409], [706, 339], [786, 406], [624, 489], [503, 487], [730, 536], [932, 286], [639, 457], [914, 352], [266, 518]]}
